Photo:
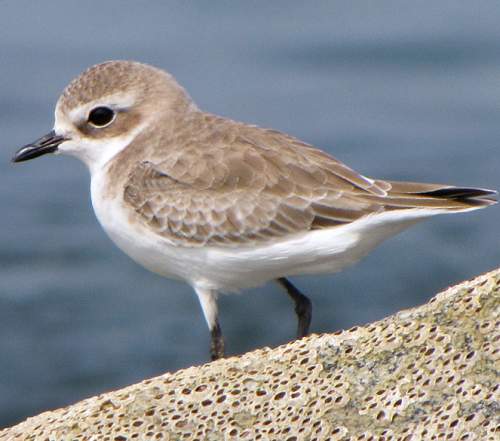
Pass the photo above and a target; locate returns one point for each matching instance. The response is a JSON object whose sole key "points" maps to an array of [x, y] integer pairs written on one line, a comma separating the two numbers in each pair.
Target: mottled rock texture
{"points": [[430, 373]]}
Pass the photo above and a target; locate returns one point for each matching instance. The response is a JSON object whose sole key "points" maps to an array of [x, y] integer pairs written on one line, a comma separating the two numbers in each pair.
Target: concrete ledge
{"points": [[429, 373]]}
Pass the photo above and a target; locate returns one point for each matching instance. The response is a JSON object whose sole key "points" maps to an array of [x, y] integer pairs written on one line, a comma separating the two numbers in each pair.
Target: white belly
{"points": [[233, 268]]}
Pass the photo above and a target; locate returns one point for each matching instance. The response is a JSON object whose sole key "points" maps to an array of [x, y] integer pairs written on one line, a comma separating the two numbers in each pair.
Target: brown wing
{"points": [[241, 184]]}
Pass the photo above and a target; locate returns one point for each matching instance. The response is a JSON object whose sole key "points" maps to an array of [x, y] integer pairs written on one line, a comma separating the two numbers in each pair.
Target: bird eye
{"points": [[101, 116]]}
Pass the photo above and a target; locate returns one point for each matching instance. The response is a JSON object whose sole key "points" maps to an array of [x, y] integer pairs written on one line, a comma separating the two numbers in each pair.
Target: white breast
{"points": [[140, 243]]}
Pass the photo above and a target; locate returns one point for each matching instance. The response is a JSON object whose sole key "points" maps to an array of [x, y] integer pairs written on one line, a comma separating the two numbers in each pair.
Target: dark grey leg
{"points": [[217, 342], [208, 301], [303, 306]]}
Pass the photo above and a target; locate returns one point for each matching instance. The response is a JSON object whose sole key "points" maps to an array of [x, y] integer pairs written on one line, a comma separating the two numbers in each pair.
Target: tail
{"points": [[416, 195], [473, 197]]}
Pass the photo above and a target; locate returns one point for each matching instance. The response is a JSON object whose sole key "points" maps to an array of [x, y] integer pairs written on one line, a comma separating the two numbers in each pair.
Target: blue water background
{"points": [[398, 90]]}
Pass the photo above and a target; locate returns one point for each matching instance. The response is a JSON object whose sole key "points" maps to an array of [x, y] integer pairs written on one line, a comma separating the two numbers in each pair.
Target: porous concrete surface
{"points": [[429, 373]]}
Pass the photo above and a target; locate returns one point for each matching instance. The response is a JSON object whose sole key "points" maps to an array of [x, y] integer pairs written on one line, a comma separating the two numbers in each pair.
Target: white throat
{"points": [[95, 153]]}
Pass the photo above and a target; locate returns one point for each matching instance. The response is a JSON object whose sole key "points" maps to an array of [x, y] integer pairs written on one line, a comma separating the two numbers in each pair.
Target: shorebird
{"points": [[220, 204]]}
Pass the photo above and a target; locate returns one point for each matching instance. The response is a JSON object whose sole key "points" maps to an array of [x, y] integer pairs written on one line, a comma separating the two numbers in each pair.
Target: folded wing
{"points": [[256, 185]]}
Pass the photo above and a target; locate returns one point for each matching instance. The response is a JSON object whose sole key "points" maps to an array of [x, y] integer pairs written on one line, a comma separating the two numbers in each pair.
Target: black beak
{"points": [[46, 144]]}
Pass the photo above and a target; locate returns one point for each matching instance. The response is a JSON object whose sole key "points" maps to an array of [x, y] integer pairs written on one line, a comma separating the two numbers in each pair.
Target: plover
{"points": [[220, 204]]}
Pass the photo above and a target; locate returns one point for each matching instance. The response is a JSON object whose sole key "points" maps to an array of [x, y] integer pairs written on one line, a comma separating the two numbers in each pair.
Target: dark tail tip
{"points": [[471, 196]]}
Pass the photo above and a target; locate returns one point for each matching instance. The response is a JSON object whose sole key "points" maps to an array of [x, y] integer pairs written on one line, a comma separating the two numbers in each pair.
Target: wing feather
{"points": [[239, 185]]}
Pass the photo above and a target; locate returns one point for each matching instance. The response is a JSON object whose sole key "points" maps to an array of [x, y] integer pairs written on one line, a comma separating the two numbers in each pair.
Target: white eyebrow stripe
{"points": [[116, 101]]}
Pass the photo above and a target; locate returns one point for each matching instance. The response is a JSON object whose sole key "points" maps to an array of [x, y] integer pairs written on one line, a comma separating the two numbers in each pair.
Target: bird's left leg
{"points": [[208, 301]]}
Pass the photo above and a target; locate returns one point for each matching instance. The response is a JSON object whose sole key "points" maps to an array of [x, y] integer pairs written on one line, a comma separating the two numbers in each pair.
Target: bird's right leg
{"points": [[208, 301], [303, 306]]}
